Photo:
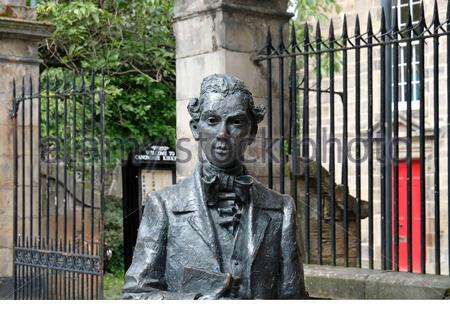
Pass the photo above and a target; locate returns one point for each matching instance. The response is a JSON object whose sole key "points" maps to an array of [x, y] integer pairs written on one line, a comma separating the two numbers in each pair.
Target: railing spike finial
{"points": [[344, 28], [64, 83], [268, 38], [318, 32], [436, 14], [422, 13], [14, 110], [369, 24], [268, 47], [448, 10], [331, 31], [92, 80], [74, 81], [293, 35], [383, 22], [306, 33], [82, 80], [280, 39], [357, 26], [23, 95], [409, 23], [395, 20]]}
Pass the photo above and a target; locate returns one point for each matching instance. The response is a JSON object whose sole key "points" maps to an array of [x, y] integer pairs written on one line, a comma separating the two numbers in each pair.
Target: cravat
{"points": [[222, 182], [227, 193]]}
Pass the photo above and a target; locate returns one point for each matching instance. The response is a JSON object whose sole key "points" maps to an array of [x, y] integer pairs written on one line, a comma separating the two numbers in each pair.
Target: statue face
{"points": [[223, 129]]}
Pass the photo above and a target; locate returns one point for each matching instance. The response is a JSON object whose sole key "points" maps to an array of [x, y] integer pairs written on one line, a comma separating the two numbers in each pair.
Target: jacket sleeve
{"points": [[145, 277], [292, 285]]}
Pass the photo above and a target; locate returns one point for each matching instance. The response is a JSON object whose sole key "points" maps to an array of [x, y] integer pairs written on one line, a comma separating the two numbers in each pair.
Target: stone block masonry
{"points": [[20, 35], [223, 36]]}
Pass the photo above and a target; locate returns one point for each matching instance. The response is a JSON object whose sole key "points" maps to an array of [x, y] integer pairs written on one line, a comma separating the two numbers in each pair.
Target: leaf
{"points": [[133, 42]]}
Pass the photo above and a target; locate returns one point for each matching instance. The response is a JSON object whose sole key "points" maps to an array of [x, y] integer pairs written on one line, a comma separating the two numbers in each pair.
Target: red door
{"points": [[403, 215]]}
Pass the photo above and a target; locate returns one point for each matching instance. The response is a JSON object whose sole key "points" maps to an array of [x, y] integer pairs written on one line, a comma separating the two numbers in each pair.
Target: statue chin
{"points": [[222, 160]]}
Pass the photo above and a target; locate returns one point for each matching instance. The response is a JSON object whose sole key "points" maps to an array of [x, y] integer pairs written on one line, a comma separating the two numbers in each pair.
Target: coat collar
{"points": [[256, 223]]}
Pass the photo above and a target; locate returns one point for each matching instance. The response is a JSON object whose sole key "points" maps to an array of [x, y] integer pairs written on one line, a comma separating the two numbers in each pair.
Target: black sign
{"points": [[139, 172], [155, 154]]}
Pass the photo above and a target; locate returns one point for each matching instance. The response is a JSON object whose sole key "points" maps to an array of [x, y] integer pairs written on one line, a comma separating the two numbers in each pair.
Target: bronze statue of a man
{"points": [[218, 234]]}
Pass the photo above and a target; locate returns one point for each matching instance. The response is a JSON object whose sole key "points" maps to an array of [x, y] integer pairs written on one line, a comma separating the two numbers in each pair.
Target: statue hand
{"points": [[217, 294]]}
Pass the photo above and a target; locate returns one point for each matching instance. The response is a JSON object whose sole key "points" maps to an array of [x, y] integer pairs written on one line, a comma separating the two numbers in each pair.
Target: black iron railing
{"points": [[358, 89], [58, 198]]}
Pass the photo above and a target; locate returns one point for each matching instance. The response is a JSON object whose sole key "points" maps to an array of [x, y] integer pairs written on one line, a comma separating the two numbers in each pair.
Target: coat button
{"points": [[236, 263]]}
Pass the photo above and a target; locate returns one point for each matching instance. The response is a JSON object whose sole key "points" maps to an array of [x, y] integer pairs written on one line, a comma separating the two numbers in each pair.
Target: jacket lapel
{"points": [[252, 229], [254, 223], [198, 218], [200, 221], [262, 202], [259, 221], [198, 225]]}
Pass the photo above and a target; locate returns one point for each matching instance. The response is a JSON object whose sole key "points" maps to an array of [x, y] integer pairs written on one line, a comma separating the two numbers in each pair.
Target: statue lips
{"points": [[222, 148], [222, 151]]}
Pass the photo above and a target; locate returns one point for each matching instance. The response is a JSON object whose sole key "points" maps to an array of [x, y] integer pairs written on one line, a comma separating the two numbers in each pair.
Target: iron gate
{"points": [[58, 141], [385, 91]]}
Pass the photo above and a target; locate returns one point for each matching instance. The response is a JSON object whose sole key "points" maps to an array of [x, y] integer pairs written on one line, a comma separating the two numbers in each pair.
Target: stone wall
{"points": [[223, 36], [19, 38], [327, 219], [362, 7], [337, 283]]}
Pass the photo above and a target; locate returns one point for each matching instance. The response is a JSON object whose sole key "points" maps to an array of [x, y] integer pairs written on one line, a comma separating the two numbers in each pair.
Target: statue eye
{"points": [[239, 121], [211, 120]]}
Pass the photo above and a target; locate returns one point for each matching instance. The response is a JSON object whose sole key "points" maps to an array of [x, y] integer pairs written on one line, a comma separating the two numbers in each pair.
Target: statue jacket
{"points": [[176, 231]]}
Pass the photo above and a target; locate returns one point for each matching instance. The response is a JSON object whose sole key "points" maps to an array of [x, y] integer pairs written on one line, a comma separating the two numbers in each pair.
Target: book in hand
{"points": [[202, 281]]}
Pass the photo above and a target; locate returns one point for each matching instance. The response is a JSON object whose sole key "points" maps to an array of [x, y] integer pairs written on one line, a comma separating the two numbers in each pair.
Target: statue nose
{"points": [[223, 132], [222, 135]]}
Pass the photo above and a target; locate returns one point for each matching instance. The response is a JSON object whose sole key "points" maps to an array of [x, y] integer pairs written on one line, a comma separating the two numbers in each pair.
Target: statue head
{"points": [[224, 119]]}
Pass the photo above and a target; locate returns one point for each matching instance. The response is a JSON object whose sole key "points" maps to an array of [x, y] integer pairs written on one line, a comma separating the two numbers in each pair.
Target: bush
{"points": [[133, 43], [114, 234]]}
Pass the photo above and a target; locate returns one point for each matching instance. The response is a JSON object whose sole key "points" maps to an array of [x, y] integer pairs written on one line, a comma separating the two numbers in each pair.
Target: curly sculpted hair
{"points": [[226, 85]]}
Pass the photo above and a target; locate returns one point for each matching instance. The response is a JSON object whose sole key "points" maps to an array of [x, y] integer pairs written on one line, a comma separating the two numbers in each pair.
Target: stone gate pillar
{"points": [[20, 34], [223, 36]]}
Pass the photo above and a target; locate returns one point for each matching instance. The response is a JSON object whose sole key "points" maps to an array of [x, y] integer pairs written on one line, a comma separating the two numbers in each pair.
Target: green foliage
{"points": [[307, 12], [119, 36], [113, 285], [319, 10], [114, 234], [146, 112], [57, 84], [132, 42]]}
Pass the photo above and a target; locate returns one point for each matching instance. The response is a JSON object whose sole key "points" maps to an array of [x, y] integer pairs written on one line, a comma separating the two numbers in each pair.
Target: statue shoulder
{"points": [[268, 198], [171, 193]]}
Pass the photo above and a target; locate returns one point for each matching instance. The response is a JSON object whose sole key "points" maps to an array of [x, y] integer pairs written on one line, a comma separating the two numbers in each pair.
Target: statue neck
{"points": [[209, 169]]}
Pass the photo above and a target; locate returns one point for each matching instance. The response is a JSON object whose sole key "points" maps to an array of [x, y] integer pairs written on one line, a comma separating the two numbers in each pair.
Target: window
{"points": [[405, 6]]}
